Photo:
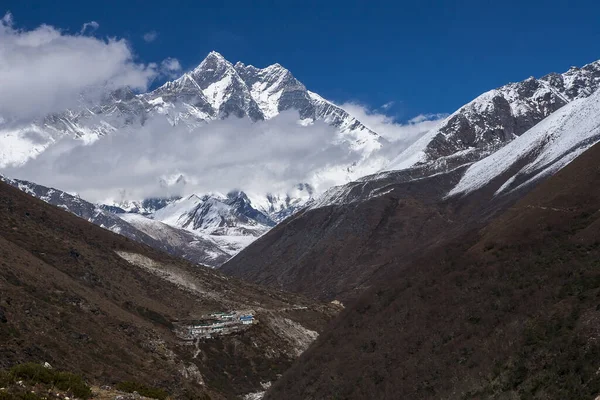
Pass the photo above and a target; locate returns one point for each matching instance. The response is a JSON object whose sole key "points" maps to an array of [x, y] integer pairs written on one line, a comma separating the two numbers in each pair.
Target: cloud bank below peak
{"points": [[386, 126], [261, 157], [46, 70]]}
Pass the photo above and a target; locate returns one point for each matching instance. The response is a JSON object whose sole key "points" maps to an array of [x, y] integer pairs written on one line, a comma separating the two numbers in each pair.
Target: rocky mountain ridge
{"points": [[463, 172], [475, 131]]}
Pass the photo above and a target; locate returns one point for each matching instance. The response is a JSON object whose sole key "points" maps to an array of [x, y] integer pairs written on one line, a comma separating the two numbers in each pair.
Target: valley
{"points": [[209, 229], [70, 299]]}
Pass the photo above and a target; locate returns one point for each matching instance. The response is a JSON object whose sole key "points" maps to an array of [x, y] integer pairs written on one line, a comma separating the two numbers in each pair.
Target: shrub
{"points": [[32, 372], [72, 383], [154, 317], [4, 379], [38, 374]]}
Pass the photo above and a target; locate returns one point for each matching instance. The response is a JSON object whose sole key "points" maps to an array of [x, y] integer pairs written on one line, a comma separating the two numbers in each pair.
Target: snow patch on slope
{"points": [[552, 144]]}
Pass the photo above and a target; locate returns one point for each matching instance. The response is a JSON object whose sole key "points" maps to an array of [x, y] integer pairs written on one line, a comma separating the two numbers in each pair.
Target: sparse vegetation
{"points": [[144, 390], [154, 317], [36, 375]]}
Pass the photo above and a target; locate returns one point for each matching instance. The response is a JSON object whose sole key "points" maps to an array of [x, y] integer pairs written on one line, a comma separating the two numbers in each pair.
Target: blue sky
{"points": [[427, 56]]}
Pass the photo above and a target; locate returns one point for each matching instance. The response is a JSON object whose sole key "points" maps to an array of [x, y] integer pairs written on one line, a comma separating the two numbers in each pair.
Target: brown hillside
{"points": [[338, 251], [510, 311], [332, 252], [67, 298]]}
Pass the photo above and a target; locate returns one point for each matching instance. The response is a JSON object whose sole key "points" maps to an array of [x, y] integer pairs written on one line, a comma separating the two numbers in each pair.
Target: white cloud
{"points": [[388, 105], [385, 125], [92, 26], [46, 70], [7, 19], [170, 67], [150, 37], [261, 157], [423, 118]]}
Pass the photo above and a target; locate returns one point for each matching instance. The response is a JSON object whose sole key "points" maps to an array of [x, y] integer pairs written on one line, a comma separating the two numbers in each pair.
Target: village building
{"points": [[217, 323]]}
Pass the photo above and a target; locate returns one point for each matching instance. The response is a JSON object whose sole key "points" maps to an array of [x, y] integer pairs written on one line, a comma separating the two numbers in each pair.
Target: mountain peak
{"points": [[237, 194], [215, 55], [275, 66], [214, 62]]}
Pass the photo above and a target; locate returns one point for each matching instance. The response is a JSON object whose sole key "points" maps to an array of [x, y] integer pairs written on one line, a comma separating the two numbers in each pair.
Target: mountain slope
{"points": [[545, 148], [178, 242], [331, 252], [506, 312], [494, 119], [397, 214], [93, 302]]}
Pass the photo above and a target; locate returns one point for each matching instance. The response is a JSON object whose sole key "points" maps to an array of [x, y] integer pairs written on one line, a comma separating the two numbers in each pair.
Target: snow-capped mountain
{"points": [[495, 118], [216, 89], [230, 220], [541, 151], [143, 207], [477, 130], [215, 214], [280, 206]]}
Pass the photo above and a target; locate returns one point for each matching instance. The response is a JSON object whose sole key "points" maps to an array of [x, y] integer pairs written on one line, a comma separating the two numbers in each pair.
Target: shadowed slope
{"points": [[68, 298], [506, 312]]}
